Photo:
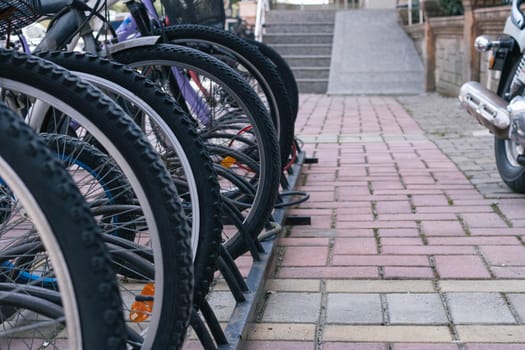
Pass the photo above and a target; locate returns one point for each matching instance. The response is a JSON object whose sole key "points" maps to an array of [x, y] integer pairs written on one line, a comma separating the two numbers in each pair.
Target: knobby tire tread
{"points": [[147, 166], [94, 283], [262, 69], [182, 56], [205, 263]]}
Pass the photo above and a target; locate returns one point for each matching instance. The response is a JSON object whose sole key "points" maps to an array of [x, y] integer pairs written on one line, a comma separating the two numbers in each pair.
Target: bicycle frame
{"points": [[73, 19], [129, 28]]}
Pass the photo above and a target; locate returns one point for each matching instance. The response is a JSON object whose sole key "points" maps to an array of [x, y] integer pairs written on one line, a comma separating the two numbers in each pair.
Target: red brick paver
{"points": [[390, 214]]}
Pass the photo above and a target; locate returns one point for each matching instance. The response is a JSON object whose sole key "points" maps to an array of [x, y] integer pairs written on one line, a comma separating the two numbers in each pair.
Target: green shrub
{"points": [[452, 7]]}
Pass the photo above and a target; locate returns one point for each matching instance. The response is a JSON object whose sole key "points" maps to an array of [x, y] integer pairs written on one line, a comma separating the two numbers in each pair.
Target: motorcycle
{"points": [[503, 111]]}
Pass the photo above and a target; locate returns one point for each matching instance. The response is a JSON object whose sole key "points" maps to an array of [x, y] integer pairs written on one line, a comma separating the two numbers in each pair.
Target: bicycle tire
{"points": [[169, 55], [146, 173], [86, 281], [248, 61], [104, 74], [285, 72]]}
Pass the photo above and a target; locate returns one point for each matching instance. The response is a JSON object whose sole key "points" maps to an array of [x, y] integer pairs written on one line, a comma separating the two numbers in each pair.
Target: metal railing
{"points": [[412, 7], [262, 7]]}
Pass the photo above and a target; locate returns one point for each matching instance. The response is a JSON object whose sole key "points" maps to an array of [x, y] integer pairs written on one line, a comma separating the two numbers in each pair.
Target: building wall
{"points": [[445, 46]]}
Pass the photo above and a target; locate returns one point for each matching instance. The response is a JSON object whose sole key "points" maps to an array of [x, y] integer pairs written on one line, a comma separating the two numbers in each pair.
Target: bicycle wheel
{"points": [[228, 114], [285, 72], [251, 64], [47, 233], [101, 182], [33, 85], [172, 133]]}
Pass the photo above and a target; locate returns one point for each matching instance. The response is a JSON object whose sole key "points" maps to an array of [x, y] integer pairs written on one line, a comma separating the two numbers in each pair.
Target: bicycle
{"points": [[58, 34], [234, 51], [178, 144], [161, 219]]}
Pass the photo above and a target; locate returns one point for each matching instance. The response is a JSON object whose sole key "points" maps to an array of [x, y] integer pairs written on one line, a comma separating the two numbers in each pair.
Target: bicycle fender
{"points": [[131, 43]]}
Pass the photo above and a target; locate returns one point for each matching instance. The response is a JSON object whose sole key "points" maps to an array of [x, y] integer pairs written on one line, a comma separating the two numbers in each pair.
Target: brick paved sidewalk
{"points": [[404, 252]]}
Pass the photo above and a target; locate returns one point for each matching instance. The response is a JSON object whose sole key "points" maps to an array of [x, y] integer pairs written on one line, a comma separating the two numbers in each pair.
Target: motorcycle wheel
{"points": [[510, 171], [507, 151]]}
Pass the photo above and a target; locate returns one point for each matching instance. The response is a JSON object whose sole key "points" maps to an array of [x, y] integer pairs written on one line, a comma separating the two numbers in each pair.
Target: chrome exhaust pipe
{"points": [[489, 109]]}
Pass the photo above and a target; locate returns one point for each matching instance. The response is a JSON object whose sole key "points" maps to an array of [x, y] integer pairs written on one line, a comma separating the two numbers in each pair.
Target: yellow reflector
{"points": [[492, 61], [228, 161], [140, 310]]}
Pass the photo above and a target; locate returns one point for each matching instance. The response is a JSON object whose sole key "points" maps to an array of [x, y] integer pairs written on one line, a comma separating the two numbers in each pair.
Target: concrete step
{"points": [[300, 27], [308, 61], [311, 72], [312, 86], [315, 7], [304, 39], [294, 16], [295, 38], [302, 49]]}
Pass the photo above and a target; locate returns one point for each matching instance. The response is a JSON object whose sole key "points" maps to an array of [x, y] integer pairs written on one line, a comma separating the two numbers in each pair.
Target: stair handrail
{"points": [[262, 7]]}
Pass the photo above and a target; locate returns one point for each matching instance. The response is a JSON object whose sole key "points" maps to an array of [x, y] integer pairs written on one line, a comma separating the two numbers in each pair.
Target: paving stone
{"points": [[499, 240], [424, 346], [353, 346], [354, 308], [404, 232], [393, 207], [375, 224], [418, 217], [493, 346], [483, 220], [281, 331], [292, 285], [415, 308], [504, 255], [305, 256], [364, 245], [429, 250], [223, 304], [408, 272], [461, 266], [292, 307], [395, 241], [380, 260], [354, 233], [329, 272], [273, 345], [477, 231], [476, 308], [380, 286], [304, 242], [442, 228], [518, 302], [508, 271], [491, 334], [421, 201], [500, 285], [371, 333]]}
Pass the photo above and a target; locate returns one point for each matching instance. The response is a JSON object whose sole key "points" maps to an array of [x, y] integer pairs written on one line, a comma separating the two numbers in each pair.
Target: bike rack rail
{"points": [[233, 335]]}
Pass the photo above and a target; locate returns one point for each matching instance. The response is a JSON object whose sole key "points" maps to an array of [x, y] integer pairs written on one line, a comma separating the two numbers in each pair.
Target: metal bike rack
{"points": [[234, 334]]}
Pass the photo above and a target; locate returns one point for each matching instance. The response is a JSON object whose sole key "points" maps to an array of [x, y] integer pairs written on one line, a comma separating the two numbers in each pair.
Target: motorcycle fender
{"points": [[512, 30], [131, 43]]}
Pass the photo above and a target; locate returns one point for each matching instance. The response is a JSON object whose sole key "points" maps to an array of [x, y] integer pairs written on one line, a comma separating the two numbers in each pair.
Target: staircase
{"points": [[304, 40]]}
